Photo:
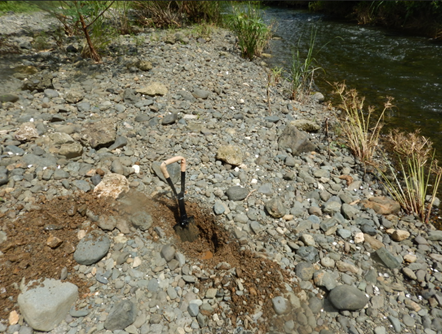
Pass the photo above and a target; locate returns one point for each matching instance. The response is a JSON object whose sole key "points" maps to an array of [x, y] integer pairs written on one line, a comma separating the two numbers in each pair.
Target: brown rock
{"points": [[100, 134], [230, 154], [53, 242], [155, 88], [68, 247], [399, 235], [373, 242], [382, 205], [344, 267]]}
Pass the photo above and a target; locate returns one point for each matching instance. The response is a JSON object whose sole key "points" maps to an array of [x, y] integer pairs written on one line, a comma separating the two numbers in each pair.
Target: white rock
{"points": [[137, 262], [46, 305], [359, 237], [112, 185]]}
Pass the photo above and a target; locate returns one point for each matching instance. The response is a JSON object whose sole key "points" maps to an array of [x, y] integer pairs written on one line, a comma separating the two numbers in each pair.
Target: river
{"points": [[376, 61]]}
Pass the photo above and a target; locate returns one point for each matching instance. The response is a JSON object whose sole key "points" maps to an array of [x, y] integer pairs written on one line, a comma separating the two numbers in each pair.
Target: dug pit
{"points": [[249, 280]]}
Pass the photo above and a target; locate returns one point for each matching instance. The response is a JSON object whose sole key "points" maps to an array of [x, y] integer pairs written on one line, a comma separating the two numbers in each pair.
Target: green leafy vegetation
{"points": [[17, 7], [86, 17], [252, 32], [303, 69]]}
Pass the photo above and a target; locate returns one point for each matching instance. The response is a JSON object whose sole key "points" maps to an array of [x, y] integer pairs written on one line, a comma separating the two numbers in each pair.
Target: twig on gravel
{"points": [[251, 191]]}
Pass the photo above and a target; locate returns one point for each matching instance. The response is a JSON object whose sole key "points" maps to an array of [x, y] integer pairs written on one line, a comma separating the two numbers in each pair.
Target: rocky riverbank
{"points": [[294, 236]]}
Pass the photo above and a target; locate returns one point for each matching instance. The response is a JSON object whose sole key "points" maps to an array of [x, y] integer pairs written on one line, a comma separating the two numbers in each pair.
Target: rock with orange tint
{"points": [[112, 185], [382, 205], [13, 318], [399, 235], [53, 242]]}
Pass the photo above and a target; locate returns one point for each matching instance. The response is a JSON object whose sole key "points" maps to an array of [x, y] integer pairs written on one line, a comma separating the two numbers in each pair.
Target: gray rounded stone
{"points": [[237, 193], [280, 305], [92, 248], [141, 220], [168, 252], [304, 271], [121, 315], [346, 297]]}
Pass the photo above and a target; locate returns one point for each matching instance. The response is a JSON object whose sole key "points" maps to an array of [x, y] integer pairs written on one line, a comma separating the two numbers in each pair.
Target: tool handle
{"points": [[172, 160]]}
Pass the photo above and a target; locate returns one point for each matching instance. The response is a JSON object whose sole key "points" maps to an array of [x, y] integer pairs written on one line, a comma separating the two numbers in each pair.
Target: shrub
{"points": [[176, 14], [86, 17], [253, 34]]}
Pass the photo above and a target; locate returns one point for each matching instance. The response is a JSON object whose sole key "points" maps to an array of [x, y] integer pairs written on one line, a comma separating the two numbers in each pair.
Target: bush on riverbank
{"points": [[422, 17], [253, 34], [176, 14]]}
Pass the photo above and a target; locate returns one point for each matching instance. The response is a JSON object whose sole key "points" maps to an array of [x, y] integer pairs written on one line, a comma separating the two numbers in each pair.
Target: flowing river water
{"points": [[377, 62]]}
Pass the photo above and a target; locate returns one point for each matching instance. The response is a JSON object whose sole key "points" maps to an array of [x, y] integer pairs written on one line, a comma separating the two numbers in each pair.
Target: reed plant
{"points": [[303, 69], [418, 168], [252, 32], [361, 135]]}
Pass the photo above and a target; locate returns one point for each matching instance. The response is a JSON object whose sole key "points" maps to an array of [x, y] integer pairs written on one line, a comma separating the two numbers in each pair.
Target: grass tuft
{"points": [[252, 32], [362, 138], [302, 71], [418, 168]]}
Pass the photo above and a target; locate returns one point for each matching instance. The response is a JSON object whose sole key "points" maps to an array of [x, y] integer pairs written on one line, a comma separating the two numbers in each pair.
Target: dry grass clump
{"points": [[362, 138], [418, 169]]}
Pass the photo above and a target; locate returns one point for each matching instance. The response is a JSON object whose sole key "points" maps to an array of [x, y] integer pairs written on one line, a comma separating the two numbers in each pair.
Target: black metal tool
{"points": [[185, 228]]}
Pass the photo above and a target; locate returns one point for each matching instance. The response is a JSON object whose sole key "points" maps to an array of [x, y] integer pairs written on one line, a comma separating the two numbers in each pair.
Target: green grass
{"points": [[17, 7], [302, 71], [252, 32]]}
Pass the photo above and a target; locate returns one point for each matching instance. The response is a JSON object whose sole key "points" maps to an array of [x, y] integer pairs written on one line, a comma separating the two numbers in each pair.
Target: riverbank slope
{"points": [[294, 236]]}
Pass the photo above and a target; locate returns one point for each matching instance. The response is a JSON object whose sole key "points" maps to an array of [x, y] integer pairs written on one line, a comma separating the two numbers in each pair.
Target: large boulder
{"points": [[46, 305], [296, 140]]}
